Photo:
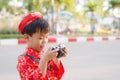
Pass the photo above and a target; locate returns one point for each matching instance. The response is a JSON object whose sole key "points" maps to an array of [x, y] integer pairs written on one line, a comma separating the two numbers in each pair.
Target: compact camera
{"points": [[60, 52]]}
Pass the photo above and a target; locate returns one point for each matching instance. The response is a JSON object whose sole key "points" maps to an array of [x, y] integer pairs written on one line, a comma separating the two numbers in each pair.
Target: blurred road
{"points": [[86, 61]]}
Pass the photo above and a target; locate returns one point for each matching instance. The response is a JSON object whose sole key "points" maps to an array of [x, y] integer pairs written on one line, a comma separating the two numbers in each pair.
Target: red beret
{"points": [[28, 19]]}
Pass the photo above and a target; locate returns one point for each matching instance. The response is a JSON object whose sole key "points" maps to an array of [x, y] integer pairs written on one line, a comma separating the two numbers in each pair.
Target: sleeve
{"points": [[59, 71], [28, 69]]}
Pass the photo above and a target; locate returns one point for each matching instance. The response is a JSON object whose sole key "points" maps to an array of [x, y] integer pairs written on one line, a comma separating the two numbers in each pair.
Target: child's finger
{"points": [[65, 52], [54, 51], [50, 48]]}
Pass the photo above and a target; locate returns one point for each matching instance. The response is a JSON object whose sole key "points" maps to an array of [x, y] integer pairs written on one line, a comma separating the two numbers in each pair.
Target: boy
{"points": [[34, 64]]}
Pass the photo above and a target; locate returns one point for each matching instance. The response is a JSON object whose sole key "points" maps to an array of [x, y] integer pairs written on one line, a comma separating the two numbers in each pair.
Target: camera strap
{"points": [[36, 60], [31, 57]]}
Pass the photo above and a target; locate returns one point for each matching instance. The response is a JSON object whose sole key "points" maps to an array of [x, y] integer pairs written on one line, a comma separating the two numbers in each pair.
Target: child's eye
{"points": [[46, 37], [40, 38]]}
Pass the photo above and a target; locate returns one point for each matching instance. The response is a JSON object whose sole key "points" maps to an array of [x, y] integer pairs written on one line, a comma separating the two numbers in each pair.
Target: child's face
{"points": [[38, 41]]}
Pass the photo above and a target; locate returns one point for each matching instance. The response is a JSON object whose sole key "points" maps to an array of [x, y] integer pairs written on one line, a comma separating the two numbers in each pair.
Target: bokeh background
{"points": [[66, 17], [75, 20]]}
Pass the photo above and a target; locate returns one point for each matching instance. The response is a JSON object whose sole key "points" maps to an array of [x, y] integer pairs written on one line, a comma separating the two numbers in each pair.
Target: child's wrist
{"points": [[45, 59]]}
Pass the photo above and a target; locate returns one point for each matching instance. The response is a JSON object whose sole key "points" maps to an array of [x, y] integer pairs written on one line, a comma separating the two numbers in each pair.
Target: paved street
{"points": [[86, 61]]}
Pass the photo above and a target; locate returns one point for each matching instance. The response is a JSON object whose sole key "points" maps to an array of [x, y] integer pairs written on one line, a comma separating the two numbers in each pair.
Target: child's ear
{"points": [[26, 36]]}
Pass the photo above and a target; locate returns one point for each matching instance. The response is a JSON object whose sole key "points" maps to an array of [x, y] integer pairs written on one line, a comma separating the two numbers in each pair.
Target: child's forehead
{"points": [[41, 34]]}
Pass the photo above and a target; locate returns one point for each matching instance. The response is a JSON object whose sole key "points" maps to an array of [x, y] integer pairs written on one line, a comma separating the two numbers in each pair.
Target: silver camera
{"points": [[61, 47]]}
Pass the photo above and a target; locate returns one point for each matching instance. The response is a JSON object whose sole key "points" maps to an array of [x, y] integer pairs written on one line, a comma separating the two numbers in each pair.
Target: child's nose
{"points": [[45, 40]]}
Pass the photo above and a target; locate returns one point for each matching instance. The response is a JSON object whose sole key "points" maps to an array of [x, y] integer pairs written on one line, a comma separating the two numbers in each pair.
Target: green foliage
{"points": [[33, 5], [48, 2], [114, 3], [9, 33], [4, 4], [70, 6], [6, 36], [43, 6], [93, 5]]}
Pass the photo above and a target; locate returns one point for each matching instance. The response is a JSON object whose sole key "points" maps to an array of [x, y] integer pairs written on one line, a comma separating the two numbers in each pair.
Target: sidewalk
{"points": [[53, 39]]}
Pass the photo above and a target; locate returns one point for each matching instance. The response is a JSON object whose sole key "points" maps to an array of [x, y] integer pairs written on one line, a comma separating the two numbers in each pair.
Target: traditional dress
{"points": [[29, 70]]}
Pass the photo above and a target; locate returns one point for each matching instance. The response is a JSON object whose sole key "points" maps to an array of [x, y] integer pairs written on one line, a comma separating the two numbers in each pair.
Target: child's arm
{"points": [[58, 68], [28, 70], [57, 62], [50, 54], [43, 66]]}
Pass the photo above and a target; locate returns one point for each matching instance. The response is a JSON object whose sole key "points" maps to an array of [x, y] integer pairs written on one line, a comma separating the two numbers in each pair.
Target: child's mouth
{"points": [[41, 47]]}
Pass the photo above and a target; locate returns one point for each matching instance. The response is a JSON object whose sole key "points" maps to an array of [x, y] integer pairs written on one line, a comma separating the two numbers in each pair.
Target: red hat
{"points": [[28, 19]]}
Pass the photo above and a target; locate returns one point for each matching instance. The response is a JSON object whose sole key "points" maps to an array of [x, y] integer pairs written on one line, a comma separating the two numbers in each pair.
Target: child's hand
{"points": [[50, 54], [65, 52]]}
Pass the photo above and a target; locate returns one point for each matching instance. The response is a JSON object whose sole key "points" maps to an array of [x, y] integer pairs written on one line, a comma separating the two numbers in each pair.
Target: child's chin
{"points": [[40, 49]]}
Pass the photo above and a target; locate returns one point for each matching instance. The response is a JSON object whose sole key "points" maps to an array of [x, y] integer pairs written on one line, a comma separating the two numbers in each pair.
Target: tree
{"points": [[114, 3], [33, 5], [67, 5], [4, 4], [93, 6]]}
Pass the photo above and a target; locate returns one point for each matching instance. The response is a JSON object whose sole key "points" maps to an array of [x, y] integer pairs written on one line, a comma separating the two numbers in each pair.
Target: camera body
{"points": [[60, 52]]}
